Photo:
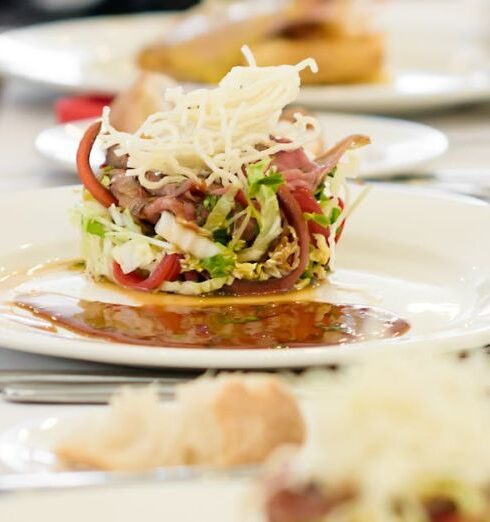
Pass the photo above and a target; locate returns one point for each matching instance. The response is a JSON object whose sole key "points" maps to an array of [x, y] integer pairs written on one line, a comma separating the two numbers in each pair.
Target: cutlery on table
{"points": [[81, 388]]}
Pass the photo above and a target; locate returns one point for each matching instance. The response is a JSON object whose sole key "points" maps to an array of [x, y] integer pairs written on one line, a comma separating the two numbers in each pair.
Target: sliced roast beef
{"points": [[115, 160], [129, 193], [180, 208], [293, 159], [299, 172]]}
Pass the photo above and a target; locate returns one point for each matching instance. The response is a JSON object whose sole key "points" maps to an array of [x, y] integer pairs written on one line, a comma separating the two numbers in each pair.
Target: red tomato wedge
{"points": [[85, 172], [167, 270], [308, 203]]}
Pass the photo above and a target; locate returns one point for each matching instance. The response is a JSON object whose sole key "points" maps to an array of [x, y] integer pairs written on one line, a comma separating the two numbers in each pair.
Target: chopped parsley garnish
{"points": [[320, 219], [332, 173], [210, 202], [334, 215], [256, 174], [221, 235], [320, 194], [218, 265], [95, 228], [274, 180]]}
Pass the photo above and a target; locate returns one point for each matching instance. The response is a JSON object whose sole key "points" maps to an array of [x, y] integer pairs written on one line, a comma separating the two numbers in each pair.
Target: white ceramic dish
{"points": [[96, 55], [28, 447], [398, 146], [216, 500], [423, 256]]}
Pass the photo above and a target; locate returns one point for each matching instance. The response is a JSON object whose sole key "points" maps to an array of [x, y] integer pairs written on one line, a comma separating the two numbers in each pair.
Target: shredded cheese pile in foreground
{"points": [[392, 425], [215, 132]]}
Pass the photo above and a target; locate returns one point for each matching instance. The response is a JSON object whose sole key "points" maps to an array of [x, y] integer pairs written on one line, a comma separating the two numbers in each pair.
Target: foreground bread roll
{"points": [[217, 422]]}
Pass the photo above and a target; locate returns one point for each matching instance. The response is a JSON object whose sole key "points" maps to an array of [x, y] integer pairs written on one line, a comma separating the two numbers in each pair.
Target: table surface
{"points": [[26, 109]]}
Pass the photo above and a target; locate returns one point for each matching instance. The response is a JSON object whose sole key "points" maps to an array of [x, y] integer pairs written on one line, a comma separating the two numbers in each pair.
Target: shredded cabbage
{"points": [[133, 254], [223, 207], [269, 218], [186, 238], [193, 288]]}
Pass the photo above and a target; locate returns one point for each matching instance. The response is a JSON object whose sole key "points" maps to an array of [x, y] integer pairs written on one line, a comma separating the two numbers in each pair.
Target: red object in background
{"points": [[80, 107]]}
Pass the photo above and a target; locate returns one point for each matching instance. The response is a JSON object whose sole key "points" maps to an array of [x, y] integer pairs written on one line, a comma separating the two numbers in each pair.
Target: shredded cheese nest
{"points": [[395, 425], [212, 134]]}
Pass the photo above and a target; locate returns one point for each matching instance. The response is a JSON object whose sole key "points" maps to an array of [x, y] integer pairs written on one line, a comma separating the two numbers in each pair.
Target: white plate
{"points": [[28, 447], [214, 499], [398, 146], [423, 256], [96, 55]]}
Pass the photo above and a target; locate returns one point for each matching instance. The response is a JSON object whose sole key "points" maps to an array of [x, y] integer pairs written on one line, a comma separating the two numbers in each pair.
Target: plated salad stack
{"points": [[221, 190]]}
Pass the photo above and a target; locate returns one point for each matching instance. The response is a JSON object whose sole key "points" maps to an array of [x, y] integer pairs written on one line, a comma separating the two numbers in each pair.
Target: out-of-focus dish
{"points": [[205, 42], [221, 189], [97, 55], [397, 439]]}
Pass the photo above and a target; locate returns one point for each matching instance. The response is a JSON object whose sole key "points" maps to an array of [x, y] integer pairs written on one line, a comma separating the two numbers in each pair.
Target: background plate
{"points": [[96, 55], [216, 500], [397, 146]]}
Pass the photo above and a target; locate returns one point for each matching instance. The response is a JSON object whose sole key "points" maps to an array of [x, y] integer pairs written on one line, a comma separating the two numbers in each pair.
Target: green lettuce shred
{"points": [[218, 265], [221, 209], [269, 225]]}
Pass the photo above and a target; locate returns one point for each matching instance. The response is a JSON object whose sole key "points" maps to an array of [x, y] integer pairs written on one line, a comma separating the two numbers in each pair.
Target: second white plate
{"points": [[97, 55], [398, 146]]}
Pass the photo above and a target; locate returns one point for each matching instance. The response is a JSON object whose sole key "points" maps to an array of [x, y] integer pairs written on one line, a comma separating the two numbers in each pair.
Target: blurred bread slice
{"points": [[137, 433], [145, 97], [218, 422], [230, 421]]}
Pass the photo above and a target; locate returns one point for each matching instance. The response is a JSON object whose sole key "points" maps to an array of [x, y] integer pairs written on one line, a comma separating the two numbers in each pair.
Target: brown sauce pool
{"points": [[292, 324]]}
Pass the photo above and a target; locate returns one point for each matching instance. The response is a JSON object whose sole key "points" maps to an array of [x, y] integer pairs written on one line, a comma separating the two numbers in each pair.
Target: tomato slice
{"points": [[85, 172], [308, 203], [167, 270]]}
